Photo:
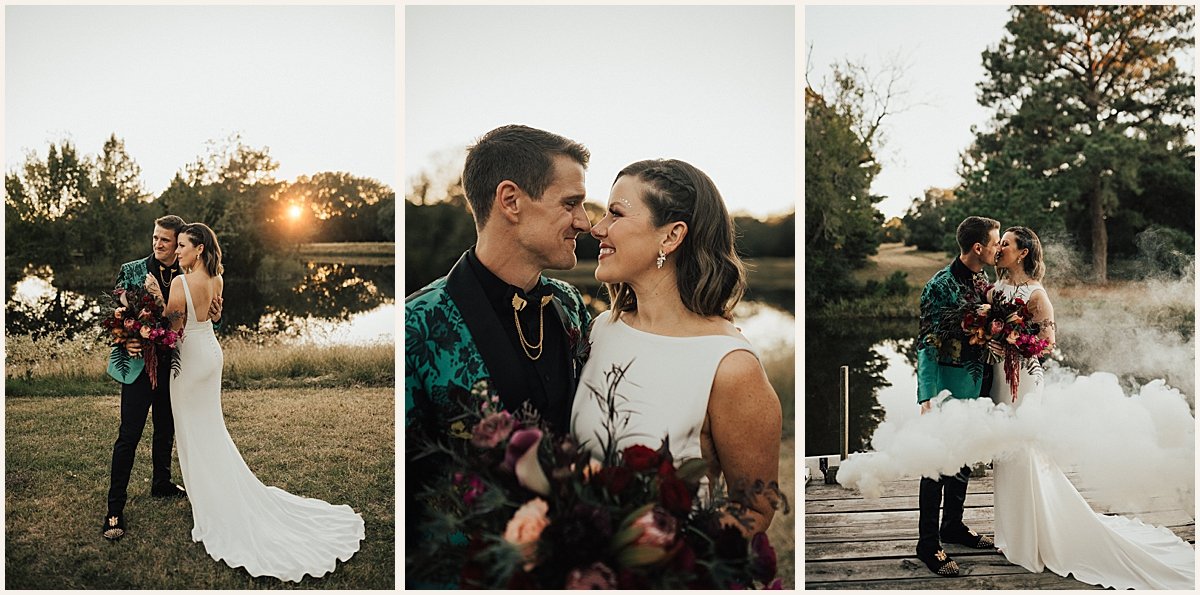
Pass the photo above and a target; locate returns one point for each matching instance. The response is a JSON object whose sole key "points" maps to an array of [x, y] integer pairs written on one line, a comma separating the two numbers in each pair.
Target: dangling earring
{"points": [[662, 257]]}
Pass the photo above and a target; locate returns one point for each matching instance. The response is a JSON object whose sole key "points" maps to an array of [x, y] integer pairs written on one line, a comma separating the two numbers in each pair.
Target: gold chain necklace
{"points": [[518, 304]]}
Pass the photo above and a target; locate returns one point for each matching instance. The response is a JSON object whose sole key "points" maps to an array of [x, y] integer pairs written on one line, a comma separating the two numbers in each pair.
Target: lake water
{"points": [[319, 303]]}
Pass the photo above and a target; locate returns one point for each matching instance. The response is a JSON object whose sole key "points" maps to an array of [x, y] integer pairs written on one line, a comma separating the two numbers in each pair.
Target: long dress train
{"points": [[262, 528], [1042, 521]]}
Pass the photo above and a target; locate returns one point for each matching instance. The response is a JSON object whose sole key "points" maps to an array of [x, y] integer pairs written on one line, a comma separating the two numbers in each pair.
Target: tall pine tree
{"points": [[1085, 97]]}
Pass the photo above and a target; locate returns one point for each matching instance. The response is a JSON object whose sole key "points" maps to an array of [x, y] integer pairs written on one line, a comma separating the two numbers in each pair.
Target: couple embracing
{"points": [[673, 278], [1041, 520], [241, 521]]}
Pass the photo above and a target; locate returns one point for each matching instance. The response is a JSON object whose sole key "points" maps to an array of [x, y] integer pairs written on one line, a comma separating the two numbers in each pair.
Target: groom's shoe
{"points": [[939, 563], [970, 539], [169, 491], [113, 527]]}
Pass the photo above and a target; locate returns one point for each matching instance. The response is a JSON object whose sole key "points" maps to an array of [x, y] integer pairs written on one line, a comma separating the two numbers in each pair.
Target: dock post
{"points": [[844, 384]]}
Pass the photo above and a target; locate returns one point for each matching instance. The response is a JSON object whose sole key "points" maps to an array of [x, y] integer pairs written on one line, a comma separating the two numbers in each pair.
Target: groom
{"points": [[137, 397], [494, 316], [958, 368]]}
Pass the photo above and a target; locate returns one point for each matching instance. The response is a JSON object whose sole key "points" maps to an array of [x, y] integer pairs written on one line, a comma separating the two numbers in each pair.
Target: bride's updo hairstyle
{"points": [[201, 235], [1033, 264], [708, 273]]}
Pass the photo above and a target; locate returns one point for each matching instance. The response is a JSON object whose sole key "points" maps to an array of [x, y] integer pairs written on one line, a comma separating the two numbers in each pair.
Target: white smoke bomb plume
{"points": [[1131, 453]]}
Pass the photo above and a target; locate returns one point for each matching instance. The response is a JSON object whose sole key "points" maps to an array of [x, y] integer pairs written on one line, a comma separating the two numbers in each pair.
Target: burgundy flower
{"points": [[674, 495], [640, 458], [596, 576], [765, 563], [521, 458], [616, 478]]}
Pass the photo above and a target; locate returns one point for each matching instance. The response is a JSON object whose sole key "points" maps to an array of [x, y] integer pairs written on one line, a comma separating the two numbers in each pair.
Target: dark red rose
{"points": [[674, 495], [765, 562], [666, 469], [640, 458], [616, 478]]}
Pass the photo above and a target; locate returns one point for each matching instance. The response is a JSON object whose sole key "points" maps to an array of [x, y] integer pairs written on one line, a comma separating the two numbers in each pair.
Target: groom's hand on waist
{"points": [[926, 407], [214, 308]]}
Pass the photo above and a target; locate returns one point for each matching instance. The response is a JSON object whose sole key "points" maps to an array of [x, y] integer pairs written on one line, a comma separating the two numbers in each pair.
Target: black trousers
{"points": [[949, 494], [137, 401]]}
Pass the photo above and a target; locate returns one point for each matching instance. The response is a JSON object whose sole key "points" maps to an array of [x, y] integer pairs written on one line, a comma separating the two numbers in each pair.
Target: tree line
{"points": [[67, 209], [1087, 145], [438, 228]]}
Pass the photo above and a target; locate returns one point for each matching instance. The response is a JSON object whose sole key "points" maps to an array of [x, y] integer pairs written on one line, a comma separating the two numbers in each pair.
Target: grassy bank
{"points": [[54, 366], [334, 444]]}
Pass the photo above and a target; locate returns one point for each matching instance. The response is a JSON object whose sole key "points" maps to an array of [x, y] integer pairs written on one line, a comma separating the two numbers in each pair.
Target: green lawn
{"points": [[334, 444]]}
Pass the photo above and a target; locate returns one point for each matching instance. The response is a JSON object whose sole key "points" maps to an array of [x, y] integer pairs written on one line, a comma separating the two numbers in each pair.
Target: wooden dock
{"points": [[855, 543]]}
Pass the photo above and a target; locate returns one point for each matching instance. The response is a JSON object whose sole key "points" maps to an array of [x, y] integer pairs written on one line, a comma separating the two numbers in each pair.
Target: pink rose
{"points": [[526, 526], [997, 326], [493, 430], [145, 332]]}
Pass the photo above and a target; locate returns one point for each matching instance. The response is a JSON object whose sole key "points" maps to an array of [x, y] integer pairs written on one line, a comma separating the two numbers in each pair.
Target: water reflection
{"points": [[871, 348], [305, 302]]}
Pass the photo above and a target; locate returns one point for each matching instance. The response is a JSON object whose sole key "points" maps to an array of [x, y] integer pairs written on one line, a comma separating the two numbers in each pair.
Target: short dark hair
{"points": [[710, 276], [517, 153], [201, 235], [171, 222], [974, 230]]}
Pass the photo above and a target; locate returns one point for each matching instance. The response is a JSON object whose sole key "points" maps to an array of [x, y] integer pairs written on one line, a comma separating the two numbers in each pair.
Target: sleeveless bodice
{"points": [[664, 391]]}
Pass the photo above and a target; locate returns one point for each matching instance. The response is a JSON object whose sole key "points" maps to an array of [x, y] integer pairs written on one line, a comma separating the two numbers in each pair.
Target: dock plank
{"points": [[853, 542]]}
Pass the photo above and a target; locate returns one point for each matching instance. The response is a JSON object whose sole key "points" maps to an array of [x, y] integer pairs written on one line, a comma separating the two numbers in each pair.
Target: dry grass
{"points": [[783, 527], [55, 366], [348, 249], [919, 265], [334, 444]]}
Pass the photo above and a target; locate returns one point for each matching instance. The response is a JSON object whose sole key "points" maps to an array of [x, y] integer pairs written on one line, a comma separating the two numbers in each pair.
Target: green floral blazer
{"points": [[452, 340], [946, 364]]}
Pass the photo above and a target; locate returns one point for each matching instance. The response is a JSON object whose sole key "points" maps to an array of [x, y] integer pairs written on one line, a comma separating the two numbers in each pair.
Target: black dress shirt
{"points": [[554, 400]]}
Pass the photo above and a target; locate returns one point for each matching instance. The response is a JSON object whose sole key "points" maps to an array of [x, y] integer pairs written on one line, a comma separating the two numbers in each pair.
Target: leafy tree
{"points": [[229, 188], [928, 222], [842, 227], [1085, 97]]}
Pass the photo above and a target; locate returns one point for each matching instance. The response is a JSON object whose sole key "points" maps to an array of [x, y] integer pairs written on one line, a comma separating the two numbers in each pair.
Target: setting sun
{"points": [[295, 211]]}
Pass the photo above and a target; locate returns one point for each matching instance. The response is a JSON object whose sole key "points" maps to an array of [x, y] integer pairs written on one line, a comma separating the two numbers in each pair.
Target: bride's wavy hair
{"points": [[201, 235], [708, 273], [1033, 262]]}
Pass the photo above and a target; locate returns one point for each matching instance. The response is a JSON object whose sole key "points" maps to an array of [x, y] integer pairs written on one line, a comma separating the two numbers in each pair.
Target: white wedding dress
{"points": [[262, 528], [1041, 520], [664, 392]]}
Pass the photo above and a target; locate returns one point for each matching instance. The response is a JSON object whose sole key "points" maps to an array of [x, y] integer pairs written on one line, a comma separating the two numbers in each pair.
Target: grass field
{"points": [[54, 366], [334, 444]]}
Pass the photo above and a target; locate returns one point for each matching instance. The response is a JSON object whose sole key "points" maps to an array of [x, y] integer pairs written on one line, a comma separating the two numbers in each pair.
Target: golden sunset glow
{"points": [[295, 211]]}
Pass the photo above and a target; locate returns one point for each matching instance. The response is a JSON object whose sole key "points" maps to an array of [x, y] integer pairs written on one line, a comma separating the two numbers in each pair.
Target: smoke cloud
{"points": [[1130, 452]]}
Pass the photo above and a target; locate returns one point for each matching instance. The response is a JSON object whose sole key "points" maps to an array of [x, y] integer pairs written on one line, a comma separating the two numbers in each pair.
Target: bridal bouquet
{"points": [[520, 507], [1009, 323], [138, 313]]}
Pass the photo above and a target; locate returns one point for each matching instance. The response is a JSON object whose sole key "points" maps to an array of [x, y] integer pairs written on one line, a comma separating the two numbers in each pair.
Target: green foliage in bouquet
{"points": [[516, 506]]}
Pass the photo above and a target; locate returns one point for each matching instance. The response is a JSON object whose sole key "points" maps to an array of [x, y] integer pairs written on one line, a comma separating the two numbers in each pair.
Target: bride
{"points": [[668, 262], [1041, 521], [262, 528]]}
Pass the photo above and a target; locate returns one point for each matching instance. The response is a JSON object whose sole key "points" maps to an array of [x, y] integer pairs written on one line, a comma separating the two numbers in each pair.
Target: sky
{"points": [[941, 47], [710, 85], [316, 85]]}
